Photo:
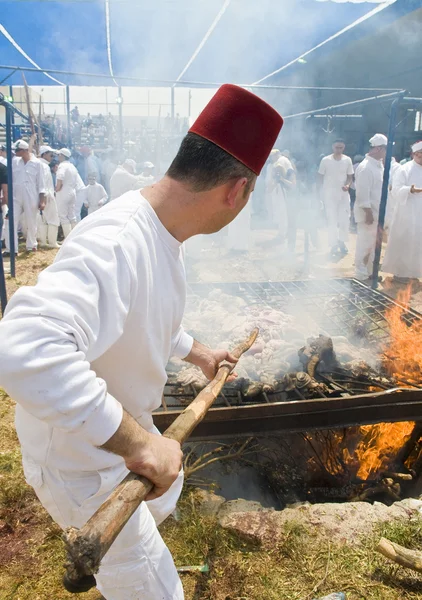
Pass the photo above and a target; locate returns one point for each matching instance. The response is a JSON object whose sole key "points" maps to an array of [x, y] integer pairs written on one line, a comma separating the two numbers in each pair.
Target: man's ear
{"points": [[236, 187]]}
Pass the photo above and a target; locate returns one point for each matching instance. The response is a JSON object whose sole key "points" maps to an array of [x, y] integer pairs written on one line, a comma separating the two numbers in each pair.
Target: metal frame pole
{"points": [[11, 219], [11, 95], [384, 195], [69, 137]]}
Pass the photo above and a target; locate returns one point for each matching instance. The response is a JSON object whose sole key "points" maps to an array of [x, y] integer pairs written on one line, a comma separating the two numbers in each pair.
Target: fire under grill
{"points": [[338, 396]]}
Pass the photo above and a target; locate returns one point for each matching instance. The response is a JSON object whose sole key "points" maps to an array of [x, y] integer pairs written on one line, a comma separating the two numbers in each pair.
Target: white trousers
{"points": [[365, 249], [25, 209], [337, 208], [138, 565], [66, 206]]}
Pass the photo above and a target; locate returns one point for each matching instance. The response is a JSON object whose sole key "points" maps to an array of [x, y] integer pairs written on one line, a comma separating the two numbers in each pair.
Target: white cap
{"points": [[67, 153], [148, 165], [417, 147], [129, 162], [378, 140], [20, 145], [45, 149]]}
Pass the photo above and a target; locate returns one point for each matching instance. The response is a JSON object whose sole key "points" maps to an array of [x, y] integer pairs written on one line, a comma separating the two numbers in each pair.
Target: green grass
{"points": [[301, 566]]}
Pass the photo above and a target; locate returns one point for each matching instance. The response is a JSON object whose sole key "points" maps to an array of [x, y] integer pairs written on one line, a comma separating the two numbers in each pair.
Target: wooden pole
{"points": [[411, 559], [30, 114], [87, 547]]}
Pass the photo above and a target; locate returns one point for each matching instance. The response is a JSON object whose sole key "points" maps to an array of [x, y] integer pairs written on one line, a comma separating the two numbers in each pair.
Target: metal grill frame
{"points": [[335, 302]]}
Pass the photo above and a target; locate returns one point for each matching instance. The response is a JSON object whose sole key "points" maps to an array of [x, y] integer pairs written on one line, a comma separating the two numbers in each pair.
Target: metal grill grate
{"points": [[337, 306], [334, 304]]}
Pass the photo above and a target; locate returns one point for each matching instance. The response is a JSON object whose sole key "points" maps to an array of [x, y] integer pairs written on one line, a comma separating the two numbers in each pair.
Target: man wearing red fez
{"points": [[88, 345]]}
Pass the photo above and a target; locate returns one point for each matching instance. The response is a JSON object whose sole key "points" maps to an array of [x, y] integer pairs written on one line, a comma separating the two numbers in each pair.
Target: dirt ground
{"points": [[297, 568]]}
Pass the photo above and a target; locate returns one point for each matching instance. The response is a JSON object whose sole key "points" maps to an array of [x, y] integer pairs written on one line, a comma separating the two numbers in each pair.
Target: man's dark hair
{"points": [[339, 141], [202, 165]]}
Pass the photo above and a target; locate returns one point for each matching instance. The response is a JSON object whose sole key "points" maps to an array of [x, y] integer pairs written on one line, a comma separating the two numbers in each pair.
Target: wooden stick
{"points": [[411, 559], [86, 547], [31, 116]]}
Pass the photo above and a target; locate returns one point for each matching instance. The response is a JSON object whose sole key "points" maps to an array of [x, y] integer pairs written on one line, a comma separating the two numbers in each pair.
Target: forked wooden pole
{"points": [[412, 559]]}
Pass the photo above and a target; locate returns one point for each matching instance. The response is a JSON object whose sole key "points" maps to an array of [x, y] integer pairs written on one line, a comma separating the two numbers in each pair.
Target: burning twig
{"points": [[411, 559], [400, 476], [386, 486]]}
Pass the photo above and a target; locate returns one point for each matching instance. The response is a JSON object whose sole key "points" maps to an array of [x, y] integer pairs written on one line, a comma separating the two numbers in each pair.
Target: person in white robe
{"points": [[369, 177], [403, 256], [28, 194], [95, 194], [68, 182], [277, 182], [124, 179], [335, 177], [48, 219]]}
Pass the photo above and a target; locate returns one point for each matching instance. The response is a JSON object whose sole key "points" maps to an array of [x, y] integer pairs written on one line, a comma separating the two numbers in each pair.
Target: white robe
{"points": [[49, 215], [336, 200], [369, 178], [403, 256], [391, 199]]}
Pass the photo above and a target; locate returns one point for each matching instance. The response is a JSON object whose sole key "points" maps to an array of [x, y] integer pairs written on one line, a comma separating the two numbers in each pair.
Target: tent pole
{"points": [[69, 137]]}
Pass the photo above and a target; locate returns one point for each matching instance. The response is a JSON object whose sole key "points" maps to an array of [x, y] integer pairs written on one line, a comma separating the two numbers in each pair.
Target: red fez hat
{"points": [[241, 124]]}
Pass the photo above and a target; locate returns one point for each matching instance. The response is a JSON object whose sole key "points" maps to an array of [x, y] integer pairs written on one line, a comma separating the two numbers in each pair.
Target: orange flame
{"points": [[403, 361]]}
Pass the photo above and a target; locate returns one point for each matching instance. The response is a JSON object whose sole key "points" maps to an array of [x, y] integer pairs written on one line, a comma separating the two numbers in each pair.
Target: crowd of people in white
{"points": [[48, 194], [46, 197], [338, 180]]}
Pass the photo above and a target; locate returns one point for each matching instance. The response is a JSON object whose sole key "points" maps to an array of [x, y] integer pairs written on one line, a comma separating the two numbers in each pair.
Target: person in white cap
{"points": [[335, 177], [29, 194], [95, 194], [48, 219], [124, 179], [66, 187], [403, 256], [369, 176]]}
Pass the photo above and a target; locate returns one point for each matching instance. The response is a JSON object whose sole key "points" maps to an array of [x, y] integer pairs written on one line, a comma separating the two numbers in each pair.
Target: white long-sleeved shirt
{"points": [[369, 176], [28, 179], [94, 335], [68, 174]]}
